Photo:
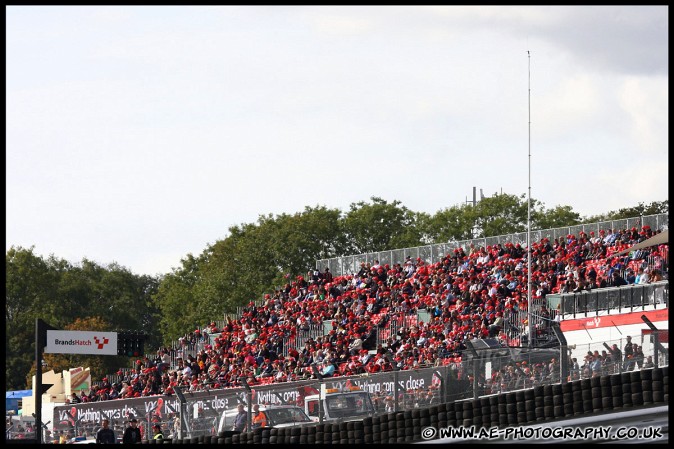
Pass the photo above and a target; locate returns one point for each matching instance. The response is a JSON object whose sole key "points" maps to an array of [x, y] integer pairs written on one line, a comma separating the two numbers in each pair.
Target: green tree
{"points": [[298, 240], [501, 214], [558, 217], [61, 293], [174, 299], [380, 226], [454, 223], [654, 208], [30, 292]]}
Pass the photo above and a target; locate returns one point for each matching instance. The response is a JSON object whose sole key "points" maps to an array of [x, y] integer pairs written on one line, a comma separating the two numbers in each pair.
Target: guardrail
{"points": [[434, 253], [628, 298], [494, 371], [636, 389]]}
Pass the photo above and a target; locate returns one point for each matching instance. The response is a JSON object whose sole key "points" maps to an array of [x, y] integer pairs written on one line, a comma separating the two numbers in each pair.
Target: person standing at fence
{"points": [[575, 369], [132, 433], [628, 353], [174, 426], [616, 359], [105, 434], [259, 418], [241, 419], [158, 434], [638, 356]]}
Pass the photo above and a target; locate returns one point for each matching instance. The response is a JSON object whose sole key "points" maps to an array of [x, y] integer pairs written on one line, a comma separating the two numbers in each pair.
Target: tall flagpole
{"points": [[530, 340]]}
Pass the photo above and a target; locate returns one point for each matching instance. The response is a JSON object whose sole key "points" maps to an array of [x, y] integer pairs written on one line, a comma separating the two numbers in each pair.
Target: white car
{"points": [[277, 416], [81, 440], [351, 404]]}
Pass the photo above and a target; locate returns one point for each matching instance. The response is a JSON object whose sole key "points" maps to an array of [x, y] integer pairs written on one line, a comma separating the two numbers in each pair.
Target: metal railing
{"points": [[627, 298], [489, 371], [434, 253]]}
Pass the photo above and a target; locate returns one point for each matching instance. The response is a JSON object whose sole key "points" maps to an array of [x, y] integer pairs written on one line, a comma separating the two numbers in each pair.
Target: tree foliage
{"points": [[654, 208], [558, 217], [63, 295], [379, 226]]}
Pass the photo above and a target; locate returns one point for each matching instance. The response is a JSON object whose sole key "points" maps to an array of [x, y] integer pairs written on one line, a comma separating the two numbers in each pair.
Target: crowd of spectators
{"points": [[16, 430], [608, 361], [466, 294]]}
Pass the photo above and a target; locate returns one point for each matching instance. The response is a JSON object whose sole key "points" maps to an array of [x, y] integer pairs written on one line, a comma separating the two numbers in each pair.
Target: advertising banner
{"points": [[81, 342]]}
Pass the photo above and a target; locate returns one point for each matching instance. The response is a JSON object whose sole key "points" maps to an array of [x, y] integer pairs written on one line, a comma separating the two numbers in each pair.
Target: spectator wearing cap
{"points": [[158, 434], [356, 345], [132, 433]]}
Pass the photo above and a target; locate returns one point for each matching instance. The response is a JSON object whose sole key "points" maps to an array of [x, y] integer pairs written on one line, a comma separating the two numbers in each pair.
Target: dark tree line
{"points": [[85, 296]]}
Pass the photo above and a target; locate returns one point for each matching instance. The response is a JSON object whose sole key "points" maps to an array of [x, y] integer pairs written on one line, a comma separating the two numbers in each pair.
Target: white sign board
{"points": [[81, 342]]}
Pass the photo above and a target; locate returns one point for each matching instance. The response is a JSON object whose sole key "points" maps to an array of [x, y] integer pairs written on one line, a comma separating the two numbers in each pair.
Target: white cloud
{"points": [[138, 134], [646, 103]]}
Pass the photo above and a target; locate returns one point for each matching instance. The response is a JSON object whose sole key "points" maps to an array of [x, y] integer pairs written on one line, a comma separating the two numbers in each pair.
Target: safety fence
{"points": [[14, 433], [628, 298], [201, 411], [629, 390], [600, 394], [486, 369]]}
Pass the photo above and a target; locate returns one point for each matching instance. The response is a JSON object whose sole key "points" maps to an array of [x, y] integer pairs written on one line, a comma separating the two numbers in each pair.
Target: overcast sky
{"points": [[138, 135]]}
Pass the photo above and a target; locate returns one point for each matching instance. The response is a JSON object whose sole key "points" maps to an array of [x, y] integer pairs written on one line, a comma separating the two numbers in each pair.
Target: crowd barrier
{"points": [[628, 298], [495, 371], [639, 389]]}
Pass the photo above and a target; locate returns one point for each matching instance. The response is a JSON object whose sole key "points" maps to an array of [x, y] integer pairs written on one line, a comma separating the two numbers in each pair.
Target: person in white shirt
{"points": [[642, 276], [483, 257], [356, 345]]}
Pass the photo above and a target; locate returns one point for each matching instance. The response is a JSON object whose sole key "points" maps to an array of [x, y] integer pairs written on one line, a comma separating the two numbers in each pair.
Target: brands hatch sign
{"points": [[81, 342]]}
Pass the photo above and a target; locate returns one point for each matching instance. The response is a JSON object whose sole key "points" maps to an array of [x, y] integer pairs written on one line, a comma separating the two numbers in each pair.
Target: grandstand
{"points": [[414, 309], [392, 299]]}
